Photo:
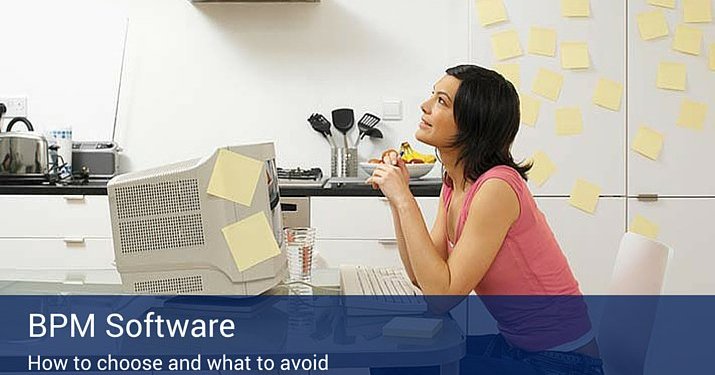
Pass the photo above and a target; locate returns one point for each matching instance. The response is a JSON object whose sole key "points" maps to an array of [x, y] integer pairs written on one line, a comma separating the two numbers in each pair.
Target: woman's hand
{"points": [[392, 178]]}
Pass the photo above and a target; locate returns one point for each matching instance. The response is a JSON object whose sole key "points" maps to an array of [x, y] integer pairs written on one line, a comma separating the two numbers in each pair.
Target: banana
{"points": [[409, 155]]}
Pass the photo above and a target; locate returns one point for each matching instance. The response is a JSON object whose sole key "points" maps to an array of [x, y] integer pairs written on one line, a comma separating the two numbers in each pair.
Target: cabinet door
{"points": [[44, 254], [683, 167], [45, 216], [597, 153], [360, 218], [590, 242], [685, 226], [374, 253]]}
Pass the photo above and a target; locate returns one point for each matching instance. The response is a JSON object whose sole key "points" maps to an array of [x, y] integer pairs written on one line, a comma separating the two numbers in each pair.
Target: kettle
{"points": [[23, 155]]}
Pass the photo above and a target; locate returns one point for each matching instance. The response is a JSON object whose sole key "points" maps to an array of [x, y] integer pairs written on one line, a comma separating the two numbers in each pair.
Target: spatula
{"points": [[367, 122], [344, 120]]}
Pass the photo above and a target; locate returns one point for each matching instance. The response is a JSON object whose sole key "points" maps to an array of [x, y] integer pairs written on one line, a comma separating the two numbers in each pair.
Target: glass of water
{"points": [[299, 247]]}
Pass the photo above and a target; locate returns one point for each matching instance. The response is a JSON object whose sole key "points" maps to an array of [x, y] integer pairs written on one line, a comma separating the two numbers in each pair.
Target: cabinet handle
{"points": [[387, 241], [73, 241], [73, 198]]}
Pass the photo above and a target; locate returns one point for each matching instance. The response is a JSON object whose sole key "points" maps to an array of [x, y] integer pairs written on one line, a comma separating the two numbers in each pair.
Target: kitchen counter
{"points": [[422, 188]]}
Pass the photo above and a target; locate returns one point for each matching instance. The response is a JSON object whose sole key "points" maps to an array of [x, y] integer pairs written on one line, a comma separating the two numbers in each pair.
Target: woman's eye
{"points": [[441, 101]]}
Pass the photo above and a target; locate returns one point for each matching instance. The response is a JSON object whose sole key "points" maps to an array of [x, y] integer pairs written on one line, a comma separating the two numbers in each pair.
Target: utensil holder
{"points": [[344, 162]]}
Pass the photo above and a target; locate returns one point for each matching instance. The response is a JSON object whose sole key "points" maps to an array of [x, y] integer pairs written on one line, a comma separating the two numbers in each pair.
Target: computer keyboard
{"points": [[391, 288]]}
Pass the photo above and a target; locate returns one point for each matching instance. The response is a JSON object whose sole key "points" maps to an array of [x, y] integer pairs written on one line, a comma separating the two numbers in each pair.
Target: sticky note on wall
{"points": [[251, 241], [542, 169], [663, 3], [574, 55], [576, 8], [512, 72], [569, 121], [506, 45], [697, 11], [548, 84], [652, 25], [648, 142], [542, 41], [491, 12], [692, 114], [644, 227], [688, 40], [584, 196], [234, 177], [608, 94], [529, 108], [671, 76]]}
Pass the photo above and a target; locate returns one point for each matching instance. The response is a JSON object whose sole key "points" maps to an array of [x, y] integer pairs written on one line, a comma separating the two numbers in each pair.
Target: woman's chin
{"points": [[423, 136]]}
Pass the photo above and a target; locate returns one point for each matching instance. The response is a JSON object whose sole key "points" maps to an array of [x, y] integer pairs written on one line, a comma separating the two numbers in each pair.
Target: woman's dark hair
{"points": [[486, 110]]}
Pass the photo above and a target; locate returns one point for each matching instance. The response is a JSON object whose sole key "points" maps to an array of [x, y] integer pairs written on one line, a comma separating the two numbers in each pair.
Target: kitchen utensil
{"points": [[367, 122], [374, 133], [322, 126], [23, 154], [344, 120], [344, 162]]}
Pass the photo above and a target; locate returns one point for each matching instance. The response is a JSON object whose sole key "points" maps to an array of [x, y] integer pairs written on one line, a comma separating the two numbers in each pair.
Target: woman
{"points": [[489, 235]]}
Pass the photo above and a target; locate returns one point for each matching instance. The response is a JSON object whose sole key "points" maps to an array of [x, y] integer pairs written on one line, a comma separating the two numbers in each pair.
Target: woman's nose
{"points": [[425, 107]]}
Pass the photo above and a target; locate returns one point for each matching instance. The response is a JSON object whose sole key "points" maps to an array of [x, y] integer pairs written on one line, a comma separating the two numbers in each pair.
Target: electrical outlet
{"points": [[16, 106]]}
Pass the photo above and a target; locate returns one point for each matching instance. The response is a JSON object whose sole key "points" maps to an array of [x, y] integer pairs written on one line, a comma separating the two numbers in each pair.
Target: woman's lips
{"points": [[425, 125]]}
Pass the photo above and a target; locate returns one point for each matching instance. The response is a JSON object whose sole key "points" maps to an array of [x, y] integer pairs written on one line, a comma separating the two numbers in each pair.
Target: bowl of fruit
{"points": [[417, 164]]}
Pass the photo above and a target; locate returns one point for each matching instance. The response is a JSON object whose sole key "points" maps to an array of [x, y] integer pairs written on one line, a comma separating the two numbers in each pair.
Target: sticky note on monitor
{"points": [[512, 72], [697, 11], [644, 227], [234, 177], [648, 142], [542, 169], [569, 121], [542, 41], [530, 108], [608, 94], [548, 84], [692, 114], [574, 55], [652, 25], [584, 196], [491, 12], [506, 45], [576, 8], [671, 76], [251, 241], [688, 40], [663, 3]]}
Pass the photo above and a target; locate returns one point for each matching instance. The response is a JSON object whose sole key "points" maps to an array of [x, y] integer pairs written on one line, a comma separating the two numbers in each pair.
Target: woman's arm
{"points": [[493, 210]]}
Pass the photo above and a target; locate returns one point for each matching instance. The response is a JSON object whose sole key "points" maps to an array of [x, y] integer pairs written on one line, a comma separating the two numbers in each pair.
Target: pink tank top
{"points": [[529, 263]]}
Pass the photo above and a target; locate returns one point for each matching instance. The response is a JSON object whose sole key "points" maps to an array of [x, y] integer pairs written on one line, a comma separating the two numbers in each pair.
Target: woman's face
{"points": [[437, 127]]}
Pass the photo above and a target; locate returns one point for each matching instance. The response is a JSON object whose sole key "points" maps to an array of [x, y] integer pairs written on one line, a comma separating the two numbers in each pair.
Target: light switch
{"points": [[392, 110]]}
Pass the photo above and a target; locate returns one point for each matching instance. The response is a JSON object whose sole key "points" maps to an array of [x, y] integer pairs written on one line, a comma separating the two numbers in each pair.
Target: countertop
{"points": [[420, 188]]}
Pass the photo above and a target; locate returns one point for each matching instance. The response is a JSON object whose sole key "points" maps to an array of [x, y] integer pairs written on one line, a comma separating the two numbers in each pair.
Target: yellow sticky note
{"points": [[608, 94], [574, 55], [506, 45], [491, 12], [663, 3], [512, 72], [696, 11], [548, 84], [542, 41], [692, 114], [569, 121], [652, 25], [584, 196], [542, 169], [671, 76], [235, 177], [530, 107], [575, 8], [648, 142], [644, 227], [712, 57], [251, 241], [688, 40]]}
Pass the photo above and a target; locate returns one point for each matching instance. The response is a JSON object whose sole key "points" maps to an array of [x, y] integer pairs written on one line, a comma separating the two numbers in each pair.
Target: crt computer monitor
{"points": [[167, 233]]}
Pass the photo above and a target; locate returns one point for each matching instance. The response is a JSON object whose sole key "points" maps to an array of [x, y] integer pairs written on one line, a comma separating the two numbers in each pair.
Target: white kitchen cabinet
{"points": [[374, 253], [685, 226], [360, 218]]}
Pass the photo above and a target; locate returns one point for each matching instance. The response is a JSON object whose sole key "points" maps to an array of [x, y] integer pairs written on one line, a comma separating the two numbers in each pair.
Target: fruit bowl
{"points": [[416, 170]]}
